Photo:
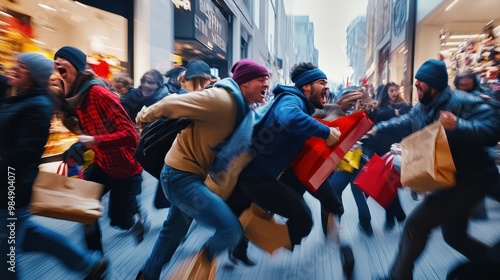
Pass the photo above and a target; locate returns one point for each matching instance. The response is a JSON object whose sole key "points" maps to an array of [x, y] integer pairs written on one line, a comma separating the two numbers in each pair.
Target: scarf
{"points": [[240, 139], [76, 97]]}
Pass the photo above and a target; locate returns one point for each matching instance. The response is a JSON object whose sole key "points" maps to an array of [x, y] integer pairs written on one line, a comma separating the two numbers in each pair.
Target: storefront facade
{"points": [[464, 34], [202, 31]]}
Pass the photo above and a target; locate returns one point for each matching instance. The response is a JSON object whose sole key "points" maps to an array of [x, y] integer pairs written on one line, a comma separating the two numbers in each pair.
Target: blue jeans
{"points": [[339, 181], [188, 194], [27, 236]]}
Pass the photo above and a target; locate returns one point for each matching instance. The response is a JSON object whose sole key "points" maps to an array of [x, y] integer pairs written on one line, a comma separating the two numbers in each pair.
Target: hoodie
{"points": [[280, 134]]}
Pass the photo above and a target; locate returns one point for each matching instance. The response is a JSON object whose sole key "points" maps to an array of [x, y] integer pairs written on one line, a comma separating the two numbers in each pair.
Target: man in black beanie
{"points": [[470, 125], [90, 110]]}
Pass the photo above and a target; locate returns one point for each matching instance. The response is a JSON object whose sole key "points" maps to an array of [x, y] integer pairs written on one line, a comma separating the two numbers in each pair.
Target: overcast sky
{"points": [[331, 19]]}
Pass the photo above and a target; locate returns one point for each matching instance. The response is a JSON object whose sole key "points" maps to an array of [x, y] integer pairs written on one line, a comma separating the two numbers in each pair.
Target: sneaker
{"points": [[99, 272]]}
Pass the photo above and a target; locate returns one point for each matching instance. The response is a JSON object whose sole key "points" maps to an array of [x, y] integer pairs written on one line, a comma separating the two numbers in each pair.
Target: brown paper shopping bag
{"points": [[426, 161], [195, 267], [65, 198], [223, 183], [260, 227]]}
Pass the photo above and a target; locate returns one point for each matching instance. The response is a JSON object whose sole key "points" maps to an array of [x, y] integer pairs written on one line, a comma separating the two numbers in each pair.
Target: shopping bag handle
{"points": [[62, 169]]}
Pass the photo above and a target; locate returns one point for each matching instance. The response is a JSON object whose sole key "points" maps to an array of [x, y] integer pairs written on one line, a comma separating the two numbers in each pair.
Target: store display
{"points": [[479, 53], [60, 139]]}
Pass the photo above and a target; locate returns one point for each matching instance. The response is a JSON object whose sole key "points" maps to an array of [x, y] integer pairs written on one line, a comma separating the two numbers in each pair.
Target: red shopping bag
{"points": [[317, 160], [379, 179]]}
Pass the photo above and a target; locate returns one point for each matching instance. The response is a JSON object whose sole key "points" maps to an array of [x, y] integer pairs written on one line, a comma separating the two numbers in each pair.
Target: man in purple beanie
{"points": [[219, 115]]}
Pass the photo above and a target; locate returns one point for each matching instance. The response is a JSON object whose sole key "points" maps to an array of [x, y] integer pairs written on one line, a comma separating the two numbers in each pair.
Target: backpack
{"points": [[155, 141]]}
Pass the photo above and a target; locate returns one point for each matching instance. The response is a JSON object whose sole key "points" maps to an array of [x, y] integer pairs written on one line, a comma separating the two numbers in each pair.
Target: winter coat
{"points": [[134, 100], [280, 135], [477, 127], [24, 125]]}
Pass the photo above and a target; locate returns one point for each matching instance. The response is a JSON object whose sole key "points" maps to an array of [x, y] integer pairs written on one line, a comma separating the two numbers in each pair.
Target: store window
{"points": [[45, 26], [465, 37]]}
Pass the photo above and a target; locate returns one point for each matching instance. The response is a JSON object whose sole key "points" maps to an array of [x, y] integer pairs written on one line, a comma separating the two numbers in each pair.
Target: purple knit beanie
{"points": [[246, 70]]}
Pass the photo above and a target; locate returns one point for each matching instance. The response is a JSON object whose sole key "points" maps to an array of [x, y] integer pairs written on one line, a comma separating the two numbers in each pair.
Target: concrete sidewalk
{"points": [[314, 259]]}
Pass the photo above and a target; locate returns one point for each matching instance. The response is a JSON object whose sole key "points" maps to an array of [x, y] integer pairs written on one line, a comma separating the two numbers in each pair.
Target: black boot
{"points": [[140, 227], [99, 271], [347, 260], [239, 253]]}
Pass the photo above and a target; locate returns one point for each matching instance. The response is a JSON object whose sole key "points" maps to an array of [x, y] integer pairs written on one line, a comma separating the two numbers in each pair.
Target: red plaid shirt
{"points": [[102, 116]]}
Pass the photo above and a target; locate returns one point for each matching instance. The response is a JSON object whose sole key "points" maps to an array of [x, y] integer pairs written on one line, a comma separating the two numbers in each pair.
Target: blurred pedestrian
{"points": [[26, 111], [196, 77], [172, 75], [198, 73], [123, 84], [468, 81], [95, 114], [150, 91], [390, 105], [471, 125], [215, 112]]}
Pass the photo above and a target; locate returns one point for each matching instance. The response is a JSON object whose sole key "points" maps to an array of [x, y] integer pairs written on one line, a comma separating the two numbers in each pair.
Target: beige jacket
{"points": [[213, 113]]}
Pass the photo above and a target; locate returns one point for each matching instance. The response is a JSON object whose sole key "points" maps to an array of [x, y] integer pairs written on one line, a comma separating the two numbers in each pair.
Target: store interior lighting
{"points": [[5, 14], [46, 7], [451, 5], [83, 5], [462, 37]]}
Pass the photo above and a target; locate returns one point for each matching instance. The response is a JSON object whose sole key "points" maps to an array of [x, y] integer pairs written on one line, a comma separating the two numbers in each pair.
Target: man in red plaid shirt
{"points": [[93, 112]]}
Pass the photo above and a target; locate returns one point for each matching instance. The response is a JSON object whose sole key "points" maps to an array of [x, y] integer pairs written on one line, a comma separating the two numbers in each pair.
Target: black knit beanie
{"points": [[76, 57], [433, 72]]}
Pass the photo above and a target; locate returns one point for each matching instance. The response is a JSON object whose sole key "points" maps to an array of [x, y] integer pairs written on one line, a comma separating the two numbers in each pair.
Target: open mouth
{"points": [[323, 96], [263, 93]]}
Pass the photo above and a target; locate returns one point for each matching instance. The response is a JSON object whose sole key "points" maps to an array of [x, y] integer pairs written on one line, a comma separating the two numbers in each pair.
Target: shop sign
{"points": [[185, 4], [205, 23]]}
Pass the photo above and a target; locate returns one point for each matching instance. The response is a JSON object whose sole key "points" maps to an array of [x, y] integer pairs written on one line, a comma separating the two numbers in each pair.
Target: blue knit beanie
{"points": [[39, 66], [433, 72], [76, 57]]}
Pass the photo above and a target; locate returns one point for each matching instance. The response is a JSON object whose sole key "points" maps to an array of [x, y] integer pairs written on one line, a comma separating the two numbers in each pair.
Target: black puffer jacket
{"points": [[24, 126], [478, 127]]}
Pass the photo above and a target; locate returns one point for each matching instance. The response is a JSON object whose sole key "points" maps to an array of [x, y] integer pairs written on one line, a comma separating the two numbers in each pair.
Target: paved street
{"points": [[314, 259]]}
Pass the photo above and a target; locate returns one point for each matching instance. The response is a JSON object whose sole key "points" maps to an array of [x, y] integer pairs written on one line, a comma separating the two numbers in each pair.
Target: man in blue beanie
{"points": [[471, 125]]}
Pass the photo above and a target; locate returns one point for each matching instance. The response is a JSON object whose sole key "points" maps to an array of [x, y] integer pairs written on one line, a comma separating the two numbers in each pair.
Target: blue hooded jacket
{"points": [[279, 136]]}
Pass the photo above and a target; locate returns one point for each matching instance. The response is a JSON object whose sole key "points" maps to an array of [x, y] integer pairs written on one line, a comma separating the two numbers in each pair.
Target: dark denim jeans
{"points": [[449, 209], [28, 236], [122, 206], [188, 194], [339, 180]]}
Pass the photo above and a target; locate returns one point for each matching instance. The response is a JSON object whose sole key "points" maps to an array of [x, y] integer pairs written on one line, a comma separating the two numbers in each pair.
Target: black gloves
{"points": [[74, 155]]}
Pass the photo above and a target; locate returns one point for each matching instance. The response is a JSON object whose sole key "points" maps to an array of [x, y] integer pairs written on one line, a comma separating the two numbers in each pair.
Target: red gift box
{"points": [[317, 160], [379, 179]]}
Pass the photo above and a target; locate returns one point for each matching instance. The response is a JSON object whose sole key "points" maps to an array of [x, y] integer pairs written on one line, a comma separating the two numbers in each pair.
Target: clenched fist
{"points": [[333, 137]]}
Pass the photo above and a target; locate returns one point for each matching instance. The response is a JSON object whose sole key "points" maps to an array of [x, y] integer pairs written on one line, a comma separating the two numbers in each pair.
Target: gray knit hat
{"points": [[39, 66]]}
